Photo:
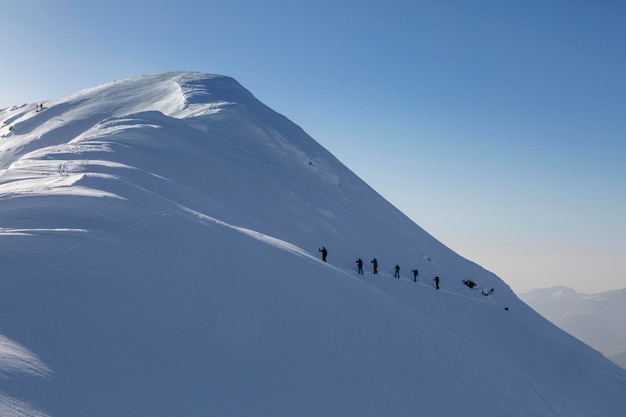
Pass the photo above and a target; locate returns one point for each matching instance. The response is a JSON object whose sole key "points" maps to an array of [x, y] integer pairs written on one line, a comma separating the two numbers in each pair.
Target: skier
{"points": [[324, 253], [414, 274], [396, 274], [374, 263], [359, 265], [436, 279]]}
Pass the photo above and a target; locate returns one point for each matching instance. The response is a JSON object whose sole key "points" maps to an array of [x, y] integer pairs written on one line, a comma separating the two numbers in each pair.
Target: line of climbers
{"points": [[374, 262], [396, 273]]}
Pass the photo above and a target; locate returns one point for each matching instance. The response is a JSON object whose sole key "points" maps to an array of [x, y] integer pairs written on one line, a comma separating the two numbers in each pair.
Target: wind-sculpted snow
{"points": [[17, 361], [159, 239], [10, 407], [281, 244]]}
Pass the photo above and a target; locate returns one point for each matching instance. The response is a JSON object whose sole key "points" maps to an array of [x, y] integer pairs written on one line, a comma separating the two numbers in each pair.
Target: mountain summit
{"points": [[160, 242]]}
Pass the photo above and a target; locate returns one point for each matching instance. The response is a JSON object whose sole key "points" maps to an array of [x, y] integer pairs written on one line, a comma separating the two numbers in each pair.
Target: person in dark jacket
{"points": [[414, 274], [324, 253], [359, 266], [436, 279], [374, 263], [396, 273]]}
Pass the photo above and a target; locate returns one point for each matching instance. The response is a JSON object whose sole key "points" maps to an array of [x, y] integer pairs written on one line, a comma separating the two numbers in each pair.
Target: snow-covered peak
{"points": [[160, 242], [175, 94]]}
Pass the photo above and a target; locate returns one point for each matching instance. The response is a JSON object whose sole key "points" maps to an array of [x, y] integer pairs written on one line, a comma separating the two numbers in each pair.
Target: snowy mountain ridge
{"points": [[160, 239], [597, 319]]}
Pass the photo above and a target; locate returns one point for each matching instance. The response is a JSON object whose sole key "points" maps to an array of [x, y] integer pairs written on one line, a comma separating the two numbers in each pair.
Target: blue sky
{"points": [[497, 126]]}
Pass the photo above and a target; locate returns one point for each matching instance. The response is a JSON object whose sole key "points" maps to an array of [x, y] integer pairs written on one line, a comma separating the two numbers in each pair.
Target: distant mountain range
{"points": [[599, 320]]}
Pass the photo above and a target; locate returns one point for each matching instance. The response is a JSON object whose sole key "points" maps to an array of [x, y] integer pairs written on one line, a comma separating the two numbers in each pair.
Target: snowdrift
{"points": [[159, 239]]}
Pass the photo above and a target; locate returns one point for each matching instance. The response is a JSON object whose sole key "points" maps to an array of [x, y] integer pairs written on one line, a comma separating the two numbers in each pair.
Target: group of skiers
{"points": [[396, 273], [374, 262]]}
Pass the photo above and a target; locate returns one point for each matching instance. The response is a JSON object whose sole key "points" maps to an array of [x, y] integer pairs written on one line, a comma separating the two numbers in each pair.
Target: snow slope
{"points": [[159, 239]]}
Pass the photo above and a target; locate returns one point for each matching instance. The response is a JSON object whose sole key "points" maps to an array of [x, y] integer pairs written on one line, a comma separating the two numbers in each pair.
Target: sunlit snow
{"points": [[160, 240]]}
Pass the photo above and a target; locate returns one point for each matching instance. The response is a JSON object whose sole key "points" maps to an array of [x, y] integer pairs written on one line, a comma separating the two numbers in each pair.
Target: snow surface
{"points": [[159, 239]]}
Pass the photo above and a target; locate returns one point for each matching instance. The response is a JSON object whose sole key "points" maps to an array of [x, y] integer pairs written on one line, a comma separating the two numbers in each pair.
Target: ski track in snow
{"points": [[278, 243], [25, 232]]}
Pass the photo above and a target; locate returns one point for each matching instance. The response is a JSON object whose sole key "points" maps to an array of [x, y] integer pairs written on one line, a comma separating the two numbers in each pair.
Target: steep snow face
{"points": [[204, 141], [159, 239]]}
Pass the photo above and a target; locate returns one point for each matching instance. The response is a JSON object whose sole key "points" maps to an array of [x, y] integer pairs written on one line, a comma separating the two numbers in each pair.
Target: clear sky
{"points": [[498, 126]]}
